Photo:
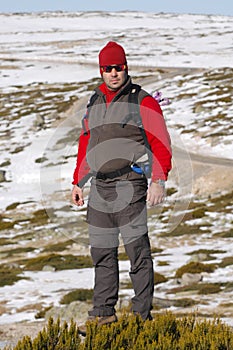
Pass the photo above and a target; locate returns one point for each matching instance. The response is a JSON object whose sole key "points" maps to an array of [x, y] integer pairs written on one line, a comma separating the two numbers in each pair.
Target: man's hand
{"points": [[77, 196], [155, 193]]}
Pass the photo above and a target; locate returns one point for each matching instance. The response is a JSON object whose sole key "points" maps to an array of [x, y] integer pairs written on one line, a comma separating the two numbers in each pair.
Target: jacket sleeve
{"points": [[82, 168], [158, 137]]}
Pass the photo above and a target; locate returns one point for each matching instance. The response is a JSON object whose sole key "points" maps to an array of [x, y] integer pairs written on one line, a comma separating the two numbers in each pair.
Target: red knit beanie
{"points": [[111, 54]]}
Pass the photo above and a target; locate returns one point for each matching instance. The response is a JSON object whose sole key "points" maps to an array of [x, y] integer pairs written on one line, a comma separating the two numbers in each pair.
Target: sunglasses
{"points": [[118, 67]]}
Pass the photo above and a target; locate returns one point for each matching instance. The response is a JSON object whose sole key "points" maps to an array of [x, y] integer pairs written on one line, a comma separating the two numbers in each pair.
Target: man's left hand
{"points": [[155, 193]]}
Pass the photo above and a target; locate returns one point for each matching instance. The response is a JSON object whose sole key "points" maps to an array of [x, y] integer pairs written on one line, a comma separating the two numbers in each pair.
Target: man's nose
{"points": [[114, 71]]}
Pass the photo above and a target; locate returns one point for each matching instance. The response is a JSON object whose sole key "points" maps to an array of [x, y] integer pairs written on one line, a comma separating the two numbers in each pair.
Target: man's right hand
{"points": [[77, 196]]}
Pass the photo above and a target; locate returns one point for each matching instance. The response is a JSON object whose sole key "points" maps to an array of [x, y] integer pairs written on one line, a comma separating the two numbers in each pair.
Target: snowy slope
{"points": [[40, 53]]}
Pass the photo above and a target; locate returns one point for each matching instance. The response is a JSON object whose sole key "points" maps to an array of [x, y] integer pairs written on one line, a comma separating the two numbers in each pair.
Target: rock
{"points": [[13, 265], [6, 163], [123, 303], [163, 303], [48, 268], [41, 160], [12, 333], [77, 310], [199, 108], [199, 257], [2, 175], [190, 278], [39, 121]]}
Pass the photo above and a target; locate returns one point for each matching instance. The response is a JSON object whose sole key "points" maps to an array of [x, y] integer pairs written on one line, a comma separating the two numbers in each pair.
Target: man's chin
{"points": [[114, 87]]}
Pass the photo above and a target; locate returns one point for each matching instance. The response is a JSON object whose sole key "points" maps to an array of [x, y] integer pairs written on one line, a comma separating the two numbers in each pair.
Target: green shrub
{"points": [[41, 313], [194, 267], [165, 332], [78, 294], [185, 302], [6, 225], [226, 261], [208, 252], [184, 229], [170, 191], [198, 213], [54, 337], [59, 262], [9, 275], [58, 247], [123, 256], [162, 263], [155, 250], [158, 278], [210, 288], [200, 288], [18, 250], [224, 234], [12, 206], [40, 217]]}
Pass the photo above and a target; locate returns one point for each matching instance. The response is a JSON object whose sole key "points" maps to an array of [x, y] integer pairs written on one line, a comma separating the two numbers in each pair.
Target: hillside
{"points": [[43, 236]]}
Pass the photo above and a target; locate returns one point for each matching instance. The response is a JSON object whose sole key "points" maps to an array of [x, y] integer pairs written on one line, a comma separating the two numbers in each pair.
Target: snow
{"points": [[52, 286], [54, 46], [63, 47]]}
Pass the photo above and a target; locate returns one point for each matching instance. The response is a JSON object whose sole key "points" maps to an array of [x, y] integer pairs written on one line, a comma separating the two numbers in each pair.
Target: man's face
{"points": [[113, 77]]}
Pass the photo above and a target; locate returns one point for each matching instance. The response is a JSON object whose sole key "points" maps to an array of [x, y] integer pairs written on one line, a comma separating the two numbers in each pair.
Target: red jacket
{"points": [[156, 132]]}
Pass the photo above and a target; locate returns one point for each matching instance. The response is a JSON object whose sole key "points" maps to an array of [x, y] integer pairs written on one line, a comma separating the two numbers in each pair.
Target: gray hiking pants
{"points": [[113, 208]]}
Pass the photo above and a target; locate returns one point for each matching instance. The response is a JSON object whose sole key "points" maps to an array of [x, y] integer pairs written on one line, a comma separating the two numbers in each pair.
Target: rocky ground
{"points": [[199, 202], [213, 178]]}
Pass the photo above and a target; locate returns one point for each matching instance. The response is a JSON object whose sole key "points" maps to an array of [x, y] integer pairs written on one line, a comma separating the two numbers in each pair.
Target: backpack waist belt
{"points": [[113, 174]]}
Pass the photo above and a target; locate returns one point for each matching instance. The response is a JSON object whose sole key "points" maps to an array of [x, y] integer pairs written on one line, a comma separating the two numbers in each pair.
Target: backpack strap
{"points": [[92, 100], [134, 110], [90, 103], [135, 115], [85, 117], [82, 182]]}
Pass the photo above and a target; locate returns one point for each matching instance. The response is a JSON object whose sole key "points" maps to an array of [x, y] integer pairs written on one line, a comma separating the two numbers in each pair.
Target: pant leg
{"points": [[142, 275], [106, 287]]}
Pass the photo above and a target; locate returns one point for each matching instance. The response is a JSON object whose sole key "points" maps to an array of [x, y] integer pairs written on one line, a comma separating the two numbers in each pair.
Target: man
{"points": [[111, 146]]}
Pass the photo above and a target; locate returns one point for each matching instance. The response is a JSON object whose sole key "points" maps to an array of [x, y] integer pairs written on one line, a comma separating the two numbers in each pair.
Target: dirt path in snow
{"points": [[207, 175]]}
